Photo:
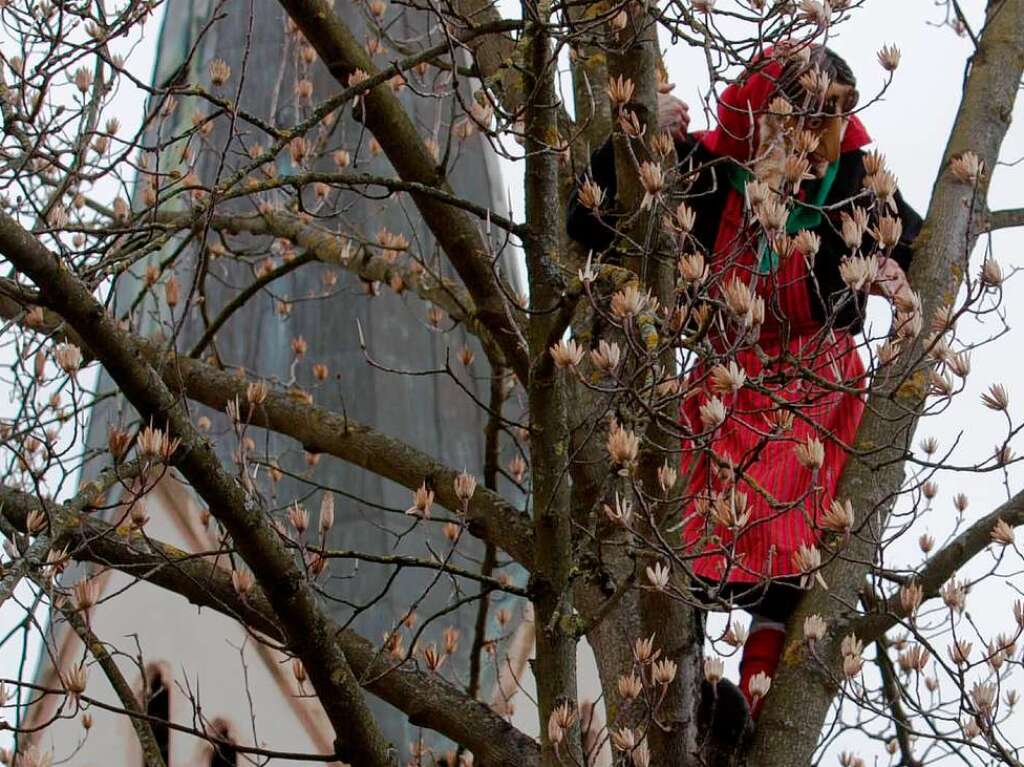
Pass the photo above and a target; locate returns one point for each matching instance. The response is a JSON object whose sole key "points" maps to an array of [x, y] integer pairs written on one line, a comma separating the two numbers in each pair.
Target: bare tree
{"points": [[393, 326], [679, 394]]}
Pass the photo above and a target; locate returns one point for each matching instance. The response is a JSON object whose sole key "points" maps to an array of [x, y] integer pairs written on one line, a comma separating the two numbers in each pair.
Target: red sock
{"points": [[761, 655]]}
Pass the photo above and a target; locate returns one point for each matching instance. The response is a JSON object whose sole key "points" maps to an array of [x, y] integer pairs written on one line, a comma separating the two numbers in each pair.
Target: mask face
{"points": [[826, 120], [829, 123]]}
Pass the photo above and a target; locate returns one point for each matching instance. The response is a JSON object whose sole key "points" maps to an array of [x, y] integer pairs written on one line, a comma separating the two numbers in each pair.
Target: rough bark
{"points": [[551, 579], [674, 624], [357, 735], [427, 698], [794, 713], [457, 233]]}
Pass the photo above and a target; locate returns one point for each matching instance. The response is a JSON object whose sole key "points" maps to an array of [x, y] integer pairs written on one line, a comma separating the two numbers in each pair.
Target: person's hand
{"points": [[891, 281], [673, 116]]}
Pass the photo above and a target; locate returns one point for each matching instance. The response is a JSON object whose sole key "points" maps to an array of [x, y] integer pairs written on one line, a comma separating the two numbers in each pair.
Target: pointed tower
{"points": [[187, 657]]}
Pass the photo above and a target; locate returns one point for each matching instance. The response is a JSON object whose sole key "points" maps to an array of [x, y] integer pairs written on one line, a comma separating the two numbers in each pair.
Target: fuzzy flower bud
{"points": [[714, 669], [889, 58], [606, 356], [242, 581], [422, 500], [69, 357], [839, 517], [620, 90], [567, 354], [658, 575], [759, 685], [465, 486], [815, 628], [326, 513], [667, 476], [967, 168], [623, 445], [811, 453]]}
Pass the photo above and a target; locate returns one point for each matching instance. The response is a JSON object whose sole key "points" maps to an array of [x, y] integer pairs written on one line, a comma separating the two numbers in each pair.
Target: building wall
{"points": [[588, 684], [433, 413], [216, 670]]}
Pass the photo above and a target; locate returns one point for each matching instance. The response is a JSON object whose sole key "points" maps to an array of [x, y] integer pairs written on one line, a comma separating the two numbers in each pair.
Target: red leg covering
{"points": [[761, 654]]}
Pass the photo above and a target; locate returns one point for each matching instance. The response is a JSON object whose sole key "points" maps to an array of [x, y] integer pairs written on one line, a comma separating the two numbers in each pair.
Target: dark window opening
{"points": [[225, 754], [158, 706]]}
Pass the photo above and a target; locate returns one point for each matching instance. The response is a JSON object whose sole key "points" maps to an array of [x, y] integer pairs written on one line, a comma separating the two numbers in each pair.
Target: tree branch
{"points": [[1005, 219], [143, 731], [358, 738], [428, 699], [893, 692], [489, 516], [320, 430], [385, 117], [942, 566], [350, 179], [325, 246], [552, 578], [801, 696]]}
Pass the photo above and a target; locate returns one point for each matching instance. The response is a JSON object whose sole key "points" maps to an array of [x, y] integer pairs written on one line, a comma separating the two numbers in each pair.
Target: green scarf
{"points": [[805, 215]]}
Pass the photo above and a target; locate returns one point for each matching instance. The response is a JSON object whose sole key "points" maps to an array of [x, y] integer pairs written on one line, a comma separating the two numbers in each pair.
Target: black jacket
{"points": [[831, 298]]}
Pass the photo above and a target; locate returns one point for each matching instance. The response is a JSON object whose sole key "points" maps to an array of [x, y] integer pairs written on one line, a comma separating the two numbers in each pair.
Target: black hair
{"points": [[822, 58]]}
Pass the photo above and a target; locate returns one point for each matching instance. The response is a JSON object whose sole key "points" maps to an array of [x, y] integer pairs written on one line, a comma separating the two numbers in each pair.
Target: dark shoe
{"points": [[724, 720]]}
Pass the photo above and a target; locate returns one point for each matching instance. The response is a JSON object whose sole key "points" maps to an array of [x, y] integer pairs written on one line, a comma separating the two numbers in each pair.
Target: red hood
{"points": [[736, 134]]}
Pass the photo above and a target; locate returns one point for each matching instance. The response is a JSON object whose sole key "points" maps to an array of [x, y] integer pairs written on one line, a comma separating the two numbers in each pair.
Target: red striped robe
{"points": [[765, 546]]}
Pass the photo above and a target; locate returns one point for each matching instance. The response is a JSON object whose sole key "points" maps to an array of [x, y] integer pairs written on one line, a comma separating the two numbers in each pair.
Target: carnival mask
{"points": [[811, 130], [829, 123]]}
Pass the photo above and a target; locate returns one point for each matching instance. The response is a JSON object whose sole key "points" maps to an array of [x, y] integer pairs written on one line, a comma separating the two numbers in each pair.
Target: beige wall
{"points": [[588, 684], [208, 656]]}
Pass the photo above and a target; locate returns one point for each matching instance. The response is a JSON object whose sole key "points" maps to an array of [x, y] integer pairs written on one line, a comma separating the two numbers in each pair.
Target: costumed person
{"points": [[794, 224]]}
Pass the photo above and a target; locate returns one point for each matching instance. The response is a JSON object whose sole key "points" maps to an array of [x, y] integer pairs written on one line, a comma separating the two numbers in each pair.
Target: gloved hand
{"points": [[673, 115]]}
